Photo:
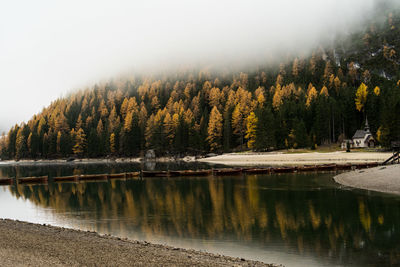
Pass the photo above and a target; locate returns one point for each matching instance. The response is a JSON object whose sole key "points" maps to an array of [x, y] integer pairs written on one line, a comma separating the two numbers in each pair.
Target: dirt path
{"points": [[26, 244], [278, 158], [382, 179]]}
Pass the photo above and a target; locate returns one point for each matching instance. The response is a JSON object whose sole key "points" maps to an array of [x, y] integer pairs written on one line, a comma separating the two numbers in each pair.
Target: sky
{"points": [[48, 48]]}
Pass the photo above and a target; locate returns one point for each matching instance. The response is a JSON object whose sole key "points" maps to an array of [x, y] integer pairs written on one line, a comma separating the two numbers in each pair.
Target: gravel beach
{"points": [[384, 179], [27, 244], [279, 158]]}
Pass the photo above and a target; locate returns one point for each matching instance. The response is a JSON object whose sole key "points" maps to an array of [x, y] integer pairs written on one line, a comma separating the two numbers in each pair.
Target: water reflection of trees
{"points": [[333, 224], [65, 169]]}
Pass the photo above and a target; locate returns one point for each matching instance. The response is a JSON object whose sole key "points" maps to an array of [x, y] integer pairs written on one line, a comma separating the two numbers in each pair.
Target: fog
{"points": [[48, 48]]}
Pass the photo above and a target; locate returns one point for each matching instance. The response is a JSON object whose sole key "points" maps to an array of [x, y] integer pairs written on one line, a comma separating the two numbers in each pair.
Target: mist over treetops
{"points": [[301, 101]]}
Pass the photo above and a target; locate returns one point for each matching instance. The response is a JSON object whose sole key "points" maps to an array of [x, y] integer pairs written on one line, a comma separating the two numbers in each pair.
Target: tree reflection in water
{"points": [[296, 212]]}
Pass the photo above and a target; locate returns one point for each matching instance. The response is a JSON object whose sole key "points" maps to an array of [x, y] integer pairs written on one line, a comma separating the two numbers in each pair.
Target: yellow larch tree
{"points": [[252, 121], [113, 120], [128, 122], [311, 95], [20, 144], [59, 135], [337, 84], [80, 142], [277, 99], [100, 128], [324, 92], [142, 115], [361, 97], [214, 98], [169, 130], [215, 130], [103, 109], [155, 104], [150, 130], [112, 143], [124, 107], [238, 121], [377, 91], [132, 105]]}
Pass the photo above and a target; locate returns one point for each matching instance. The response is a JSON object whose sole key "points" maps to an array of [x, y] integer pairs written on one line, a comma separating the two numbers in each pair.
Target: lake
{"points": [[290, 219]]}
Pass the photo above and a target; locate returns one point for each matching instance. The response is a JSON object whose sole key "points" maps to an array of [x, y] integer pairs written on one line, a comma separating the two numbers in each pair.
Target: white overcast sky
{"points": [[48, 48]]}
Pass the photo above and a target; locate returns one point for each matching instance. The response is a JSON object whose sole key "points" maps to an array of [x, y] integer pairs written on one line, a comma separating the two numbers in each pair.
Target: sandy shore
{"points": [[280, 158], [382, 179], [26, 244]]}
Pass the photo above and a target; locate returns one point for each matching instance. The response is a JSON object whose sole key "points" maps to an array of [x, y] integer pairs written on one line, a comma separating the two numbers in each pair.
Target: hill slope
{"points": [[303, 102]]}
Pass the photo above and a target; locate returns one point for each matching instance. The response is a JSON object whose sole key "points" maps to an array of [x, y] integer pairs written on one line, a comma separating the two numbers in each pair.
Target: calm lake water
{"points": [[291, 219]]}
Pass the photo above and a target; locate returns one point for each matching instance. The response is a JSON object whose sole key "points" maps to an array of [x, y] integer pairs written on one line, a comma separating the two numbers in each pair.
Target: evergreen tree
{"points": [[265, 130]]}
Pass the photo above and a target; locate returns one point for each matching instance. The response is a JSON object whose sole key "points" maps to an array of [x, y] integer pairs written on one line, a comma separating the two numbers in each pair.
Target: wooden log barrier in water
{"points": [[223, 172], [155, 174], [6, 181], [283, 169], [117, 176], [86, 177], [132, 174], [190, 173], [361, 165], [346, 166], [307, 168], [72, 178], [326, 167], [33, 180], [257, 170]]}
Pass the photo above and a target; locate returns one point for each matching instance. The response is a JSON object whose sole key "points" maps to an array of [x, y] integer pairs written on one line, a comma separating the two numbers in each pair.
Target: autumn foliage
{"points": [[302, 102]]}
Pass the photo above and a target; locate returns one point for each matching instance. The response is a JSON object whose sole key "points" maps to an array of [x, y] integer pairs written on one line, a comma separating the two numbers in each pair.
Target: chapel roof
{"points": [[360, 134]]}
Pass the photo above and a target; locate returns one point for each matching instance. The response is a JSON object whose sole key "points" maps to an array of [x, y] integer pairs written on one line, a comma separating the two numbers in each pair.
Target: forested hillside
{"points": [[303, 102]]}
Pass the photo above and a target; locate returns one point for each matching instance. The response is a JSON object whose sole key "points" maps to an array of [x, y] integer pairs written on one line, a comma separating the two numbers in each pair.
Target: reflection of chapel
{"points": [[361, 139]]}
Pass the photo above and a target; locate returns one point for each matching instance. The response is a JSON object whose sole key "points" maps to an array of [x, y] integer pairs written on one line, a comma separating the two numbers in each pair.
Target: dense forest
{"points": [[305, 101]]}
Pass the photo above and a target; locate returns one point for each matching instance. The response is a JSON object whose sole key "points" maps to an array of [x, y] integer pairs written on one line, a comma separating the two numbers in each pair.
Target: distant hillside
{"points": [[303, 102]]}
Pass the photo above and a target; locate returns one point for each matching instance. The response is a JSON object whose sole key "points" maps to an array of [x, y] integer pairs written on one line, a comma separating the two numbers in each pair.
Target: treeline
{"points": [[305, 102]]}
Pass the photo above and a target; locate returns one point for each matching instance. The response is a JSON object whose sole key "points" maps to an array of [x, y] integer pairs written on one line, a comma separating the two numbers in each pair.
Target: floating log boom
{"points": [[6, 181], [155, 173], [344, 166], [72, 178], [191, 173], [221, 172], [29, 180], [132, 174], [284, 169], [117, 176], [257, 170], [327, 167], [93, 177], [307, 168]]}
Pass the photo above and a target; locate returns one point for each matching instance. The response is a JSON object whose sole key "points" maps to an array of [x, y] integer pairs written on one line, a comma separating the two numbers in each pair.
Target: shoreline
{"points": [[232, 159], [384, 179], [294, 159], [23, 243]]}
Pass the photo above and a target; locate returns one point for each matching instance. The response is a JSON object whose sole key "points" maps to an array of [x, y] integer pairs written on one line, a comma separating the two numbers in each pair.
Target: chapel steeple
{"points": [[366, 128]]}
